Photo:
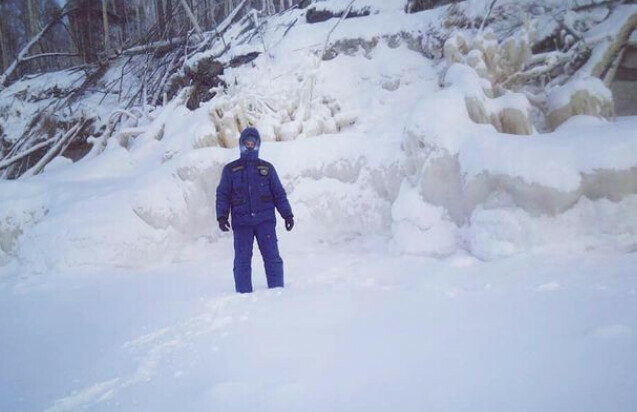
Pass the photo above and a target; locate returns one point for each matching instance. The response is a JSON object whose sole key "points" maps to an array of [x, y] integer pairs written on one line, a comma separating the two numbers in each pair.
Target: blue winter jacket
{"points": [[250, 188]]}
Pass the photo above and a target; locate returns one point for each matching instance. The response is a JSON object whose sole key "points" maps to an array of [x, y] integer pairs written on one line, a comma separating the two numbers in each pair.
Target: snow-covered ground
{"points": [[355, 329], [436, 264]]}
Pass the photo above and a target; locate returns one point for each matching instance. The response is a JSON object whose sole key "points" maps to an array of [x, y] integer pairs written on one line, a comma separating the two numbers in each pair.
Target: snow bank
{"points": [[23, 206], [601, 224], [463, 157], [157, 188], [421, 228], [95, 218], [466, 168], [339, 191]]}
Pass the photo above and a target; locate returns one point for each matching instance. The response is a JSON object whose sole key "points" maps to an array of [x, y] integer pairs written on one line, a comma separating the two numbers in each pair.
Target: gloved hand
{"points": [[224, 225], [289, 223]]}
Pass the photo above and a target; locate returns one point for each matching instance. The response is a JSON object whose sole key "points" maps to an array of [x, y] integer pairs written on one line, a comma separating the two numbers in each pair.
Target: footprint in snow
{"points": [[151, 350]]}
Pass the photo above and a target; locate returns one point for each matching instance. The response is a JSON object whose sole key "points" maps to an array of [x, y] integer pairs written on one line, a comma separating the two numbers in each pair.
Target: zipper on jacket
{"points": [[249, 190]]}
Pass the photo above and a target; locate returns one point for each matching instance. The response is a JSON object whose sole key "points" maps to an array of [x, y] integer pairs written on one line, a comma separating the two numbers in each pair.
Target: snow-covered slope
{"points": [[370, 126]]}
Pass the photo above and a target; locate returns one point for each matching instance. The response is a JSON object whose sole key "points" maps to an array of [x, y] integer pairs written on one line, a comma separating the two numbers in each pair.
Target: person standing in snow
{"points": [[249, 191]]}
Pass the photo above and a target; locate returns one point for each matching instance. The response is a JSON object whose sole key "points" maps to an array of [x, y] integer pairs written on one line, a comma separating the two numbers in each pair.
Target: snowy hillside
{"points": [[456, 247]]}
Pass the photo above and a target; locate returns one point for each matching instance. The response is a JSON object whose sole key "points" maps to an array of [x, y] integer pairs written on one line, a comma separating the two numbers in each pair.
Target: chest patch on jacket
{"points": [[263, 170], [237, 168]]}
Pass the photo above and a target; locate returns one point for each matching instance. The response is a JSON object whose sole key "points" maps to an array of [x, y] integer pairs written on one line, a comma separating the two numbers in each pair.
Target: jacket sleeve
{"points": [[279, 196], [223, 195]]}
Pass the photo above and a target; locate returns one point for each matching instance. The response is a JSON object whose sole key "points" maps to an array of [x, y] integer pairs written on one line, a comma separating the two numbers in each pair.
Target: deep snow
{"points": [[355, 329]]}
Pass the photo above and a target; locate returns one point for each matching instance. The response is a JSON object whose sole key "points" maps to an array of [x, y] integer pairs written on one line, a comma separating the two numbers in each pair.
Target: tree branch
{"points": [[43, 55], [8, 162], [55, 149], [327, 39], [486, 16], [23, 53], [162, 45]]}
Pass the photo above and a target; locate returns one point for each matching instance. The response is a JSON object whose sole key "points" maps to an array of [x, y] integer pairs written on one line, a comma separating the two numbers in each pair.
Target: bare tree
{"points": [[191, 16], [22, 56], [138, 14], [267, 7], [4, 54], [161, 17], [169, 12], [122, 9], [32, 16], [107, 45]]}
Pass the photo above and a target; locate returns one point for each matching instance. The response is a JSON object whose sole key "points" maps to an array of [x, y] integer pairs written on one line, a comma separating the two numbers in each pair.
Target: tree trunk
{"points": [[87, 37], [3, 48], [212, 8], [79, 20], [107, 43], [32, 16], [139, 21], [169, 18], [161, 17], [31, 22], [122, 10]]}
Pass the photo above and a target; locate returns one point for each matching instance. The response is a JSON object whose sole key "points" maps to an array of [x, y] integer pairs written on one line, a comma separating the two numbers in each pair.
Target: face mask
{"points": [[250, 144]]}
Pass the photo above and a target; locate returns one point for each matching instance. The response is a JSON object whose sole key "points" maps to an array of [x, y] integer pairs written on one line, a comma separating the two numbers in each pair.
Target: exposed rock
{"points": [[350, 47], [243, 59], [205, 71], [315, 15], [203, 75], [414, 6]]}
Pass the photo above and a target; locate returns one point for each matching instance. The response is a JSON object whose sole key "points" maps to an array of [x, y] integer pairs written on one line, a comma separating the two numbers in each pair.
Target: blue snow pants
{"points": [[266, 239]]}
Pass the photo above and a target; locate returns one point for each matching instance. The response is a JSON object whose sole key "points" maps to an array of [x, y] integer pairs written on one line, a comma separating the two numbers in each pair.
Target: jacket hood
{"points": [[245, 153]]}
